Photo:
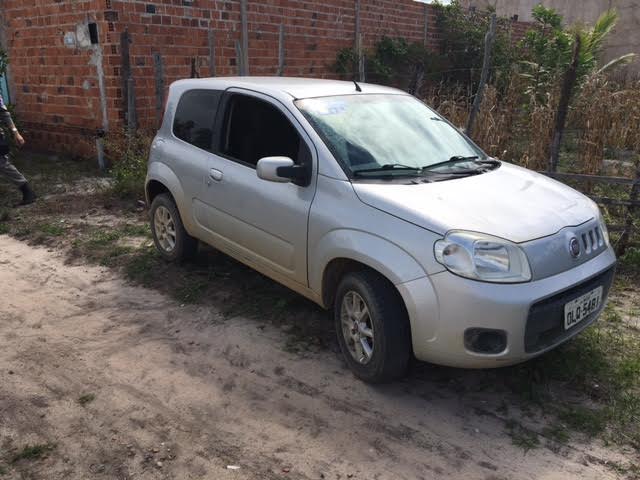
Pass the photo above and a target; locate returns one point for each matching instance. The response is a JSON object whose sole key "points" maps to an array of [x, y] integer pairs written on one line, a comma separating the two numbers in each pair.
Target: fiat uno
{"points": [[371, 204]]}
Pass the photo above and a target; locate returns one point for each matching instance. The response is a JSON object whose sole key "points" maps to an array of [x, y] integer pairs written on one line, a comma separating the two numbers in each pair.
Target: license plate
{"points": [[577, 310]]}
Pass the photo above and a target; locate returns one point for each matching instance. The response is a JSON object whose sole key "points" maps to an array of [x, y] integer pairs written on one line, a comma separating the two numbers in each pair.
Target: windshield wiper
{"points": [[482, 164], [452, 161], [387, 168]]}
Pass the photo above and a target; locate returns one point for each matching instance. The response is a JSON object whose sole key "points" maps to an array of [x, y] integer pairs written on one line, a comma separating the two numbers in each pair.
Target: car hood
{"points": [[509, 202]]}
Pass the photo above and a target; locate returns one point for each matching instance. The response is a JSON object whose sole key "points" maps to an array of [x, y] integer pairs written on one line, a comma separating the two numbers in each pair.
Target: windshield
{"points": [[376, 133]]}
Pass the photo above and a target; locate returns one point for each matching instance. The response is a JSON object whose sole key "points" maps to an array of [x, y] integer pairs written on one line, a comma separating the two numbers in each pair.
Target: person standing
{"points": [[6, 167]]}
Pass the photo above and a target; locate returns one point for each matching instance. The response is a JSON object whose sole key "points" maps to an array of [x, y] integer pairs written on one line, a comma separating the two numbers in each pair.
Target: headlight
{"points": [[601, 223], [603, 228], [482, 257]]}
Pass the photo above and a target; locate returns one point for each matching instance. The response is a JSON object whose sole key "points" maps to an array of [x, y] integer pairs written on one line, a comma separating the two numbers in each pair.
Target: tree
{"points": [[548, 49]]}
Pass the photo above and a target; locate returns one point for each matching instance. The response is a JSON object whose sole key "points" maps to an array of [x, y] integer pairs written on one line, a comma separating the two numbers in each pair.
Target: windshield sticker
{"points": [[335, 107]]}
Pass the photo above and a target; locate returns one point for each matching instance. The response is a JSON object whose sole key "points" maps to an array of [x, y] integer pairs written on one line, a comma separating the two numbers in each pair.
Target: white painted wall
{"points": [[624, 39]]}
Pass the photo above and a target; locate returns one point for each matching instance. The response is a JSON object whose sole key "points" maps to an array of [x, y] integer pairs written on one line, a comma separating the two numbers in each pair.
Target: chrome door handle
{"points": [[215, 174]]}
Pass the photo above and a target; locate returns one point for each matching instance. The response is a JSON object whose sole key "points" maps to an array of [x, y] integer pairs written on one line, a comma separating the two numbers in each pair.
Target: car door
{"points": [[260, 221], [188, 146]]}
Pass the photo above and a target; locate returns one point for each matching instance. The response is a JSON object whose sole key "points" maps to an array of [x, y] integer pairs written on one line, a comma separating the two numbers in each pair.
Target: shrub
{"points": [[4, 61], [462, 47], [128, 154]]}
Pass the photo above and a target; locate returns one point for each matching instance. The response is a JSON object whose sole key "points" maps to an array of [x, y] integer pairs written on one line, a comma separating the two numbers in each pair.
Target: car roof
{"points": [[295, 87]]}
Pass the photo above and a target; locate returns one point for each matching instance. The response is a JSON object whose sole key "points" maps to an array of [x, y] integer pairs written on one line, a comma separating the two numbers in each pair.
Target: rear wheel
{"points": [[372, 327], [170, 238]]}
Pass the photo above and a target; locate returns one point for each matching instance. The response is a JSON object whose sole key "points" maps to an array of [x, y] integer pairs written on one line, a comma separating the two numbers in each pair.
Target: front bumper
{"points": [[443, 306]]}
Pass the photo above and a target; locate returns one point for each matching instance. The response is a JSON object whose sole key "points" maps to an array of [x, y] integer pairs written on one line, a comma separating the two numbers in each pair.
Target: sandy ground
{"points": [[180, 393]]}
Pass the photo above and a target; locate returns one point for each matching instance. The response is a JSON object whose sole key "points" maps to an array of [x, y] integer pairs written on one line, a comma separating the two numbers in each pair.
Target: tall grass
{"points": [[602, 124]]}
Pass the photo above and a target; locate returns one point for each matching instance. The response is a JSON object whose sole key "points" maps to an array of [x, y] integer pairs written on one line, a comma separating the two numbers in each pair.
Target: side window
{"points": [[256, 129], [195, 117]]}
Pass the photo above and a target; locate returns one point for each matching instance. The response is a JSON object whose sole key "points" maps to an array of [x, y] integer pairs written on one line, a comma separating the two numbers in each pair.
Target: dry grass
{"points": [[607, 116], [602, 123]]}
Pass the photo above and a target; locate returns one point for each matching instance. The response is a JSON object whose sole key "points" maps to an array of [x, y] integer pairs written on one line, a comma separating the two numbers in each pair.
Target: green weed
{"points": [[141, 266], [51, 229], [33, 452], [557, 432], [86, 399], [522, 437], [591, 421]]}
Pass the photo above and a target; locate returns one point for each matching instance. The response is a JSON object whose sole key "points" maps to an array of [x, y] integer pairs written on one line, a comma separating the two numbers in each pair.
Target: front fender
{"points": [[387, 258]]}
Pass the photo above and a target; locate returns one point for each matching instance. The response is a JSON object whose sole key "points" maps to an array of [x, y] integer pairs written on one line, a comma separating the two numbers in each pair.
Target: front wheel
{"points": [[171, 239], [372, 326]]}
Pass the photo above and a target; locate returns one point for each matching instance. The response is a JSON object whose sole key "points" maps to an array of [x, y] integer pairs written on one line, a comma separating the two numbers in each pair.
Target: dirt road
{"points": [[122, 382]]}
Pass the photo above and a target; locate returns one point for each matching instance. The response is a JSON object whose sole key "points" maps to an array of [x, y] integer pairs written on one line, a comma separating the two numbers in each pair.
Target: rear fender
{"points": [[160, 172]]}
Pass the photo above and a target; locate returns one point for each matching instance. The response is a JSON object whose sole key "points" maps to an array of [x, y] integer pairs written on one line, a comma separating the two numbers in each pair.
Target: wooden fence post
{"points": [[358, 39], [158, 70], [634, 195], [132, 118], [212, 52], [425, 33], [239, 56], [563, 106], [244, 61], [125, 72], [486, 65], [281, 51], [194, 68]]}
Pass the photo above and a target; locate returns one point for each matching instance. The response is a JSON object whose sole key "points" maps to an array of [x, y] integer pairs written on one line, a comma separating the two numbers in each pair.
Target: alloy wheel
{"points": [[357, 327], [165, 229]]}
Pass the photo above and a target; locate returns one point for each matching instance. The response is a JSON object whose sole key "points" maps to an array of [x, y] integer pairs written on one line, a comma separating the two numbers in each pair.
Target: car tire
{"points": [[169, 236], [384, 327]]}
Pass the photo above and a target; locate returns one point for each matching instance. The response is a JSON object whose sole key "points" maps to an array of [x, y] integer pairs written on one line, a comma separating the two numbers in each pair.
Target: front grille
{"points": [[545, 323], [592, 240]]}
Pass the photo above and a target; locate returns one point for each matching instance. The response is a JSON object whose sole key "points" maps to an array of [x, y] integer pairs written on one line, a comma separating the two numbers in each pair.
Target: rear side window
{"points": [[256, 129], [195, 117]]}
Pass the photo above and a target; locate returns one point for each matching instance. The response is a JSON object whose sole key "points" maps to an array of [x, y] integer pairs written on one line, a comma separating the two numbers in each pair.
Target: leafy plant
{"points": [[128, 153], [548, 51], [4, 61], [345, 63]]}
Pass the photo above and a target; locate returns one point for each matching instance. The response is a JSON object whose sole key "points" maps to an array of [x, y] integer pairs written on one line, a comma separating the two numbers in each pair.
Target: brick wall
{"points": [[314, 31], [56, 87]]}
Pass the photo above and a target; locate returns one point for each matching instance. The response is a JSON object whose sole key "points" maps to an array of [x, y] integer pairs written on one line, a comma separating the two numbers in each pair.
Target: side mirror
{"points": [[283, 170]]}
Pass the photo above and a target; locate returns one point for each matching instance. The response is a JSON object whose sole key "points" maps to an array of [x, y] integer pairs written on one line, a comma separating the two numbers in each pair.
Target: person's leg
{"points": [[14, 176]]}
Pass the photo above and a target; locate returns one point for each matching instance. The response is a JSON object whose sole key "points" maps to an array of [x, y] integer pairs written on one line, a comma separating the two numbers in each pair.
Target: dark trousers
{"points": [[10, 172]]}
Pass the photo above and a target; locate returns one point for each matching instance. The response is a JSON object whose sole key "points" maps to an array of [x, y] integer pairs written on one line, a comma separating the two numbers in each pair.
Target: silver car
{"points": [[368, 202]]}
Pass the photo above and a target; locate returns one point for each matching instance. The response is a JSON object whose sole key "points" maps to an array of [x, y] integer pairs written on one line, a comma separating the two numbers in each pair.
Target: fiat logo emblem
{"points": [[574, 247]]}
